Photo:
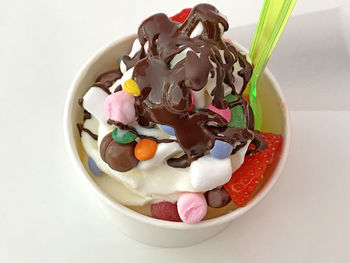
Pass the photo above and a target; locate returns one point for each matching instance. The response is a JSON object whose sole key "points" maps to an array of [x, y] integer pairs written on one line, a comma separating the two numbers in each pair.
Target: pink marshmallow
{"points": [[225, 113], [119, 107], [192, 207]]}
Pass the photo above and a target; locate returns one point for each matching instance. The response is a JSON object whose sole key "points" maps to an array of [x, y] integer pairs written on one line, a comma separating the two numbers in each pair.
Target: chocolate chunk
{"points": [[119, 157], [217, 197]]}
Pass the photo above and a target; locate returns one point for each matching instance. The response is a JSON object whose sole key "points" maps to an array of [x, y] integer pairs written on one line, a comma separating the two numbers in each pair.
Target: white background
{"points": [[47, 213]]}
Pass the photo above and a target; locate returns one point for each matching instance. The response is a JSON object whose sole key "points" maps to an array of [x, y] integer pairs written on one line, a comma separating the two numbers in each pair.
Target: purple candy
{"points": [[221, 150], [93, 167], [167, 129]]}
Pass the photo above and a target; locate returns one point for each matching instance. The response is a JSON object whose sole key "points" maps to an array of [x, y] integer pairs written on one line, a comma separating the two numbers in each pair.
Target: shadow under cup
{"points": [[141, 227]]}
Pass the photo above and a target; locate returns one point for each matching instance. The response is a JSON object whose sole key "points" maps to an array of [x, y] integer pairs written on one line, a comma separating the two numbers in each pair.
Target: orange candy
{"points": [[145, 149]]}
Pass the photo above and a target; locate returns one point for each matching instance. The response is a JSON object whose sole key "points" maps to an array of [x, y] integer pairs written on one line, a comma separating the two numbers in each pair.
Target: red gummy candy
{"points": [[166, 211], [245, 179], [181, 17]]}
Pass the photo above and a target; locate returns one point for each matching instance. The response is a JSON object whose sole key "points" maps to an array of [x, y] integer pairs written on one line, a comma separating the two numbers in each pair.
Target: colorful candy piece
{"points": [[123, 136], [237, 115], [166, 211], [237, 118], [93, 167], [246, 179], [192, 207], [119, 106], [145, 149], [131, 87], [221, 150], [231, 98], [118, 156], [181, 17], [168, 129], [225, 113], [217, 197]]}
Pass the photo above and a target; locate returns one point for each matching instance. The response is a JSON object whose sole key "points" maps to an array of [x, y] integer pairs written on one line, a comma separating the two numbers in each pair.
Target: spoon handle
{"points": [[273, 18]]}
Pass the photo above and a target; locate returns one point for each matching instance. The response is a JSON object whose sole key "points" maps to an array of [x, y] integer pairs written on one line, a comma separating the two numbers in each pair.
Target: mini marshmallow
{"points": [[93, 103], [119, 107], [208, 172], [192, 207]]}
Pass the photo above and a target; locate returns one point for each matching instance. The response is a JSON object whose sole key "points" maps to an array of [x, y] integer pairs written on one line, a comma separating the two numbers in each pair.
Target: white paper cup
{"points": [[144, 228]]}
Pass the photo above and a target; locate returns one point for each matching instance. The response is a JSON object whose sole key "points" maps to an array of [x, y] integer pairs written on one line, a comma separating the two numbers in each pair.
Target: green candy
{"points": [[123, 136], [231, 98], [237, 118]]}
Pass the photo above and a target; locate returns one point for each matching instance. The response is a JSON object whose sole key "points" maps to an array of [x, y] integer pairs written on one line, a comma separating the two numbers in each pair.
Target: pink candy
{"points": [[225, 113], [119, 107], [192, 207]]}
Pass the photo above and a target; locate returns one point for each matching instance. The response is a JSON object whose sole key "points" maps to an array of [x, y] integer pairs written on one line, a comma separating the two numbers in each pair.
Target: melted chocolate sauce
{"points": [[81, 129], [166, 92], [128, 128], [108, 78]]}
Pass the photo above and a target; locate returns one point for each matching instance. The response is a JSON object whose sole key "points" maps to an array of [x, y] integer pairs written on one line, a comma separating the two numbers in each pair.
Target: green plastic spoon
{"points": [[273, 18]]}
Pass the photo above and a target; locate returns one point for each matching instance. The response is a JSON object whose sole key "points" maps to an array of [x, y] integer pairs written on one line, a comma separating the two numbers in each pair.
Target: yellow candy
{"points": [[130, 86]]}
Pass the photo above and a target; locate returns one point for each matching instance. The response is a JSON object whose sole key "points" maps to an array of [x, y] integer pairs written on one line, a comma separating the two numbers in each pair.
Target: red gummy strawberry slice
{"points": [[181, 17], [246, 179]]}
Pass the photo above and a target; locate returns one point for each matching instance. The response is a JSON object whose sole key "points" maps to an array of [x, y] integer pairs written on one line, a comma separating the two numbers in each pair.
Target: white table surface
{"points": [[47, 213]]}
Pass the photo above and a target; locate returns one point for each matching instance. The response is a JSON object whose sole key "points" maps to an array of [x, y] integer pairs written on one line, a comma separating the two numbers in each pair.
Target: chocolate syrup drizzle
{"points": [[128, 128], [81, 129], [166, 92]]}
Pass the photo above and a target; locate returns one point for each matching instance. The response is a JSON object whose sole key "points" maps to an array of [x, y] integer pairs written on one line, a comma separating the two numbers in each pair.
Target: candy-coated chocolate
{"points": [[145, 149], [118, 156], [166, 211], [225, 113], [217, 197], [119, 106], [168, 129], [221, 150], [123, 136], [238, 119], [231, 98], [192, 207], [131, 87], [93, 167]]}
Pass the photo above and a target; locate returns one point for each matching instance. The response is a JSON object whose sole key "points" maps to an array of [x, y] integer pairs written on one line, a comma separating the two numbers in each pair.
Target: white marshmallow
{"points": [[93, 103], [197, 31], [208, 172]]}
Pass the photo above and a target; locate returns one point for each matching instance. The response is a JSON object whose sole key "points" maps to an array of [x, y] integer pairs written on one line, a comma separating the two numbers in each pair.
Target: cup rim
{"points": [[221, 220]]}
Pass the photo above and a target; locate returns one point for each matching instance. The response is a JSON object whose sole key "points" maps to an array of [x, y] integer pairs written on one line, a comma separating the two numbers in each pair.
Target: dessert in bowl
{"points": [[166, 132]]}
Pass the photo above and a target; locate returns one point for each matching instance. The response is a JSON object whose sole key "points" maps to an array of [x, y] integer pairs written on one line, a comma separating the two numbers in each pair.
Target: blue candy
{"points": [[93, 167], [221, 150], [167, 129]]}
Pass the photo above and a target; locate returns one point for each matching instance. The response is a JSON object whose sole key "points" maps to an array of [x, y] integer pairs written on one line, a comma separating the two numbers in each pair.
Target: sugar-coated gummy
{"points": [[166, 211]]}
